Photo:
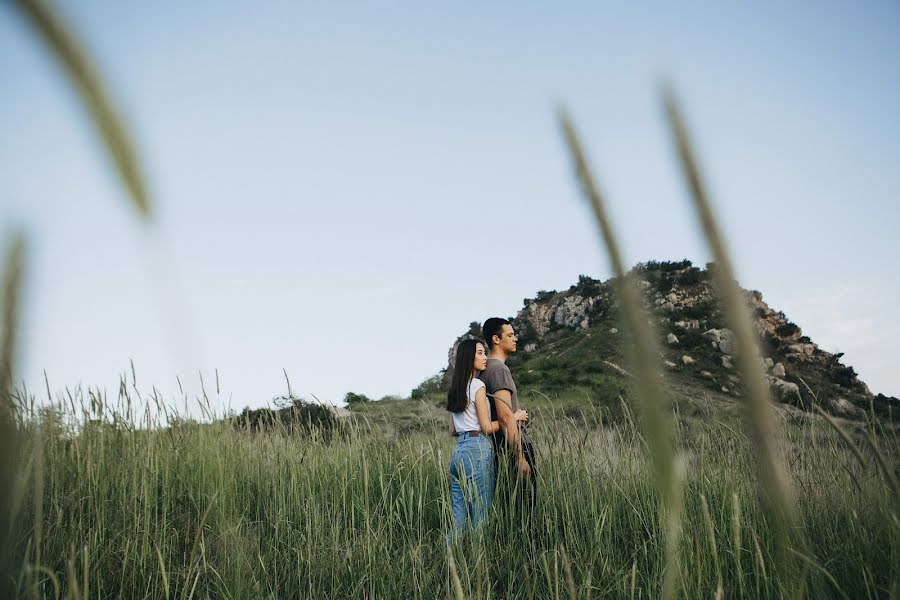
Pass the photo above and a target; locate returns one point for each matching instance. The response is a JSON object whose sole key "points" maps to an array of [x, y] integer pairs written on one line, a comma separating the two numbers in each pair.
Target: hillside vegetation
{"points": [[237, 509], [572, 344]]}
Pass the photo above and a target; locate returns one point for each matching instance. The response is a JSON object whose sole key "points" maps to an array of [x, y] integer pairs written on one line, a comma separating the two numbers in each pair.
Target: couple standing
{"points": [[492, 451]]}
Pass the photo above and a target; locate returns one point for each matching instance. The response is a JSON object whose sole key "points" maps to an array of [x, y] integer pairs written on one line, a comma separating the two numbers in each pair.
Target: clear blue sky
{"points": [[340, 190]]}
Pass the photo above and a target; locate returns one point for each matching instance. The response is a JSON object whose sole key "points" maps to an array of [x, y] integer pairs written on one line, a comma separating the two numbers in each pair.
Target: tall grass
{"points": [[645, 357], [110, 509], [107, 503]]}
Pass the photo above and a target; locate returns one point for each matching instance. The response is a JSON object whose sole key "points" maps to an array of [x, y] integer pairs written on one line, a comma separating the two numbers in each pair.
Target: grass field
{"points": [[113, 510], [105, 504]]}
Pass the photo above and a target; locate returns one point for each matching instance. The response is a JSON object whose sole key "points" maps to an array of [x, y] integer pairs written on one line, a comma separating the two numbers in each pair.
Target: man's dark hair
{"points": [[492, 327]]}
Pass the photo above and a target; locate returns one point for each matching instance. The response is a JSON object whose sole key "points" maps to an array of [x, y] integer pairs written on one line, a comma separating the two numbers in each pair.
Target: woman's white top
{"points": [[467, 420]]}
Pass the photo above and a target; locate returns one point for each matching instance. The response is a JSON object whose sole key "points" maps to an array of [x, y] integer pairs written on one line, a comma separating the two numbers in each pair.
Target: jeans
{"points": [[471, 482]]}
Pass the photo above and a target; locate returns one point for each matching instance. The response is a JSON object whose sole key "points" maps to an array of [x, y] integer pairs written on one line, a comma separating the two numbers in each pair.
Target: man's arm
{"points": [[503, 402]]}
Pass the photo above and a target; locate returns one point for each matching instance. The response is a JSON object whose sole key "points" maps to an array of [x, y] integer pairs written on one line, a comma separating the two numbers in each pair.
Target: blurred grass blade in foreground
{"points": [[775, 484], [645, 358], [67, 51], [12, 284]]}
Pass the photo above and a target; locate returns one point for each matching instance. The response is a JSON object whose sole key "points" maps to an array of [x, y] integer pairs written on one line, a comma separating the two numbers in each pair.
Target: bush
{"points": [[701, 310], [843, 376], [787, 329], [587, 286], [299, 416], [353, 398], [664, 266], [691, 276], [429, 387]]}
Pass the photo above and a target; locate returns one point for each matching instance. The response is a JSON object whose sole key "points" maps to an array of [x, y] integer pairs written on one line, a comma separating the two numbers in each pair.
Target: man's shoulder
{"points": [[497, 375], [494, 365]]}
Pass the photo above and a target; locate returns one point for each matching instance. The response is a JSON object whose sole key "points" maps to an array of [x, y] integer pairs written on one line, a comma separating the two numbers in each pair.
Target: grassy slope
{"points": [[227, 513]]}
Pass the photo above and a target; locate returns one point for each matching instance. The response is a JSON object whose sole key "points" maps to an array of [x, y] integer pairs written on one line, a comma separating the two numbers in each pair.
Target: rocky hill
{"points": [[572, 342]]}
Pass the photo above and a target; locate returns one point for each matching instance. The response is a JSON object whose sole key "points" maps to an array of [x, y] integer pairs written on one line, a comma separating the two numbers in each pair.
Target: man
{"points": [[514, 455]]}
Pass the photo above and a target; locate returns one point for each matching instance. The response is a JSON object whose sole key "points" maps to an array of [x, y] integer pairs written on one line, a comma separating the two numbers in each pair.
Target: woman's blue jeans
{"points": [[471, 481]]}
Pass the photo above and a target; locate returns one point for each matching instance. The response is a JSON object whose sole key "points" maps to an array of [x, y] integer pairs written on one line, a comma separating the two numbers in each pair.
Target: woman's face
{"points": [[480, 357]]}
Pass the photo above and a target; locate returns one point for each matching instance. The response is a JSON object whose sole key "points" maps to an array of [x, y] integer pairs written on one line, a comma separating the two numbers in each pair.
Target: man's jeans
{"points": [[471, 481]]}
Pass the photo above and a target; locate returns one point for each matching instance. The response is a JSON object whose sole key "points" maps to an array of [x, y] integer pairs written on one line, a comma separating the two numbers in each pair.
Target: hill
{"points": [[572, 344]]}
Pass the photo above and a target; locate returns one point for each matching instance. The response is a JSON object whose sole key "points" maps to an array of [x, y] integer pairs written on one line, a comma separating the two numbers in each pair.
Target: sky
{"points": [[339, 190]]}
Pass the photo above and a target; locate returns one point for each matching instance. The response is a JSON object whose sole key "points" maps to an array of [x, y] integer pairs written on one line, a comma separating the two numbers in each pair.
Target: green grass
{"points": [[195, 511], [210, 511]]}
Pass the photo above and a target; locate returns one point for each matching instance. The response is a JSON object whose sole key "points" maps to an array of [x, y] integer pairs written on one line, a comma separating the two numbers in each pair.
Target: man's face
{"points": [[508, 339]]}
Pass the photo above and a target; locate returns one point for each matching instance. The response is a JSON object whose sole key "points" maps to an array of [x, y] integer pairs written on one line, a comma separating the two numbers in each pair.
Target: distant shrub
{"points": [[843, 376], [691, 276], [662, 266], [299, 416], [587, 286], [354, 398], [544, 295], [429, 387], [787, 329], [701, 310]]}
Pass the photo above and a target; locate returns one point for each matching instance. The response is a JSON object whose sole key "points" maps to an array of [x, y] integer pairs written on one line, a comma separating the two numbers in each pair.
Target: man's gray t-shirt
{"points": [[498, 377]]}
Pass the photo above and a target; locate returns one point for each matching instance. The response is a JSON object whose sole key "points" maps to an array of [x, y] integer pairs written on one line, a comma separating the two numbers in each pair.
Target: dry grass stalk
{"points": [[645, 359], [66, 49], [12, 283], [774, 481]]}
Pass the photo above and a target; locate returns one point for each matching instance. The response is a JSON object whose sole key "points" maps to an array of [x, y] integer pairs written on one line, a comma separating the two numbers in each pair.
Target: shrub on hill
{"points": [[429, 387], [352, 398], [787, 329], [586, 286], [663, 266], [297, 416]]}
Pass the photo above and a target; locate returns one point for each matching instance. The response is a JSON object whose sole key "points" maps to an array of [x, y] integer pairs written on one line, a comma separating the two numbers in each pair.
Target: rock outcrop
{"points": [[694, 338]]}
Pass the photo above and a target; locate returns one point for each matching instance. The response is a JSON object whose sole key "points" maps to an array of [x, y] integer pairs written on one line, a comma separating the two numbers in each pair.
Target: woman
{"points": [[472, 464]]}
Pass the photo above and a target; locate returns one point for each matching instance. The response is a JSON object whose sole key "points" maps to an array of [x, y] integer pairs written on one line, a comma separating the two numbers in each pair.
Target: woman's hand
{"points": [[521, 415]]}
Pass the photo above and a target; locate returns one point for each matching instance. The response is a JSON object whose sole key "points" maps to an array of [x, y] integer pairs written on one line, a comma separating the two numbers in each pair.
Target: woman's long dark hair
{"points": [[462, 375]]}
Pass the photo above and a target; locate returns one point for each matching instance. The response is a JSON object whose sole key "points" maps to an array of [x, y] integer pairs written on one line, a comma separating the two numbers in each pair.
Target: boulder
{"points": [[670, 365], [726, 362], [672, 339], [727, 342], [712, 335], [782, 390], [769, 363], [614, 331], [573, 311], [722, 339], [778, 370], [706, 375], [687, 360], [842, 406]]}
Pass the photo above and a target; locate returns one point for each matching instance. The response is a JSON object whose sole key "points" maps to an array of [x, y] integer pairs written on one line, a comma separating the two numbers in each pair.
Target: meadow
{"points": [[129, 499], [107, 507]]}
